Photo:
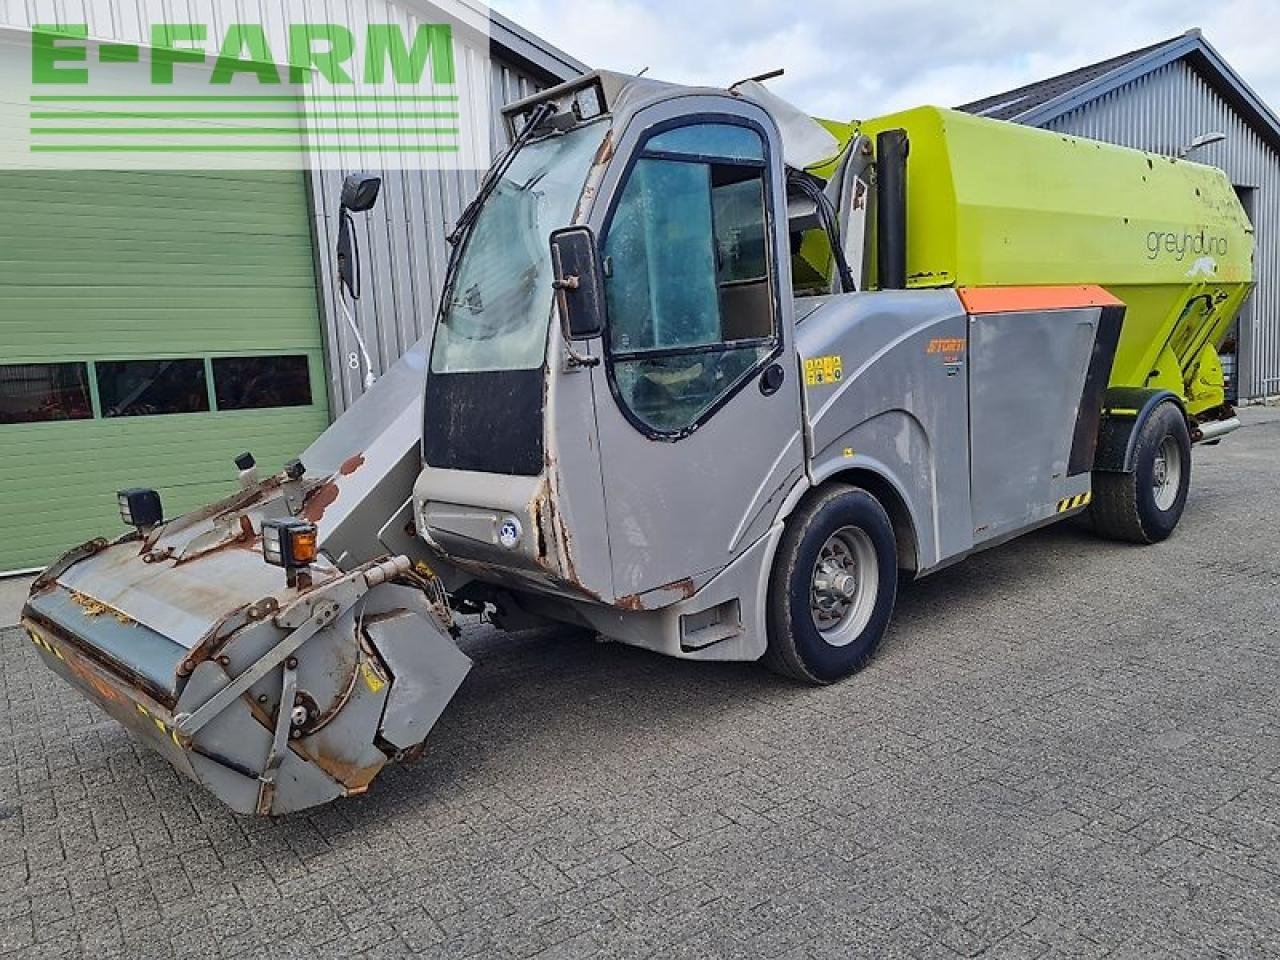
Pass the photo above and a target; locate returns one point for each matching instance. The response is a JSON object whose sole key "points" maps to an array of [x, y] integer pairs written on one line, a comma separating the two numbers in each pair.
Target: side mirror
{"points": [[359, 195], [360, 192], [578, 281]]}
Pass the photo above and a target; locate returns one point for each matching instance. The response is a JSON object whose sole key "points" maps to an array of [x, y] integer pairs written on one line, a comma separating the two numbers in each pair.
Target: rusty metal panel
{"points": [[1162, 112]]}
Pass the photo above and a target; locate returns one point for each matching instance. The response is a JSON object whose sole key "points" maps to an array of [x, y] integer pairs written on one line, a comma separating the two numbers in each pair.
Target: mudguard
{"points": [[1124, 411]]}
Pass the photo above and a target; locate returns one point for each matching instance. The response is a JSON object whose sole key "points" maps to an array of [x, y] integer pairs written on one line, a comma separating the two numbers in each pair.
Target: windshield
{"points": [[500, 303]]}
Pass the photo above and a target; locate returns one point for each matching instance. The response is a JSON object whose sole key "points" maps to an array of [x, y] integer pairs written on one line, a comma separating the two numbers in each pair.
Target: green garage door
{"points": [[152, 327]]}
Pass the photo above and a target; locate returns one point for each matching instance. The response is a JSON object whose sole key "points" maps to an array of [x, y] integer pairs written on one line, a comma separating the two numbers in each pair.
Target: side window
{"points": [[39, 392], [689, 288], [259, 383], [141, 388]]}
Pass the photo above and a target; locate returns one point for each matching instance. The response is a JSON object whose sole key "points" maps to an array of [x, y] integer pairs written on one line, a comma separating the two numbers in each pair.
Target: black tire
{"points": [[797, 647], [1127, 506]]}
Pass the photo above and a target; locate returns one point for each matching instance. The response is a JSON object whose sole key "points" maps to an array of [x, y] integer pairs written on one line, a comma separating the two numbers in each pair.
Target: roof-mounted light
{"points": [[578, 101], [140, 507], [291, 544], [588, 103]]}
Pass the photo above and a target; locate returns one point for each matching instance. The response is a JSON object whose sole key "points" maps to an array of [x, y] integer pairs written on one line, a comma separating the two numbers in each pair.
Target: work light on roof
{"points": [[140, 507], [586, 103], [291, 544]]}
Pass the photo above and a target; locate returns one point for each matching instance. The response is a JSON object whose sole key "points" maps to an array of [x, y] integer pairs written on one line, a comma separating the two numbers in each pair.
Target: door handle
{"points": [[772, 379]]}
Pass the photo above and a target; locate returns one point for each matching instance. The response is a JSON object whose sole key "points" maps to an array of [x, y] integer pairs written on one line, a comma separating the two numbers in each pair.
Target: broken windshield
{"points": [[500, 303]]}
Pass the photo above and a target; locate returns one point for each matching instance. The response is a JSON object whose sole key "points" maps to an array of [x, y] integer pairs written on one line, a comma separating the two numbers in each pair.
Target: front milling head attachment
{"points": [[282, 704], [151, 635]]}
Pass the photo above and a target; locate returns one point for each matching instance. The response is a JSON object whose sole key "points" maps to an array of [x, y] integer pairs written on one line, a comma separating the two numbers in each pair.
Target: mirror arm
{"points": [[575, 358]]}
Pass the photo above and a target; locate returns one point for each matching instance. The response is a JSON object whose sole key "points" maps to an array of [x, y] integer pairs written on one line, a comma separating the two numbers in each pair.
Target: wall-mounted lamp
{"points": [[1201, 141]]}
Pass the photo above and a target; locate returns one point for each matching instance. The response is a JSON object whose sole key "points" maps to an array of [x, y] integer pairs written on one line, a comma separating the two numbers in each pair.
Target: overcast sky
{"points": [[863, 58]]}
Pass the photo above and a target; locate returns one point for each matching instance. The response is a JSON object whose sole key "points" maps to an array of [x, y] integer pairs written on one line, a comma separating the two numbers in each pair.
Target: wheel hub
{"points": [[1166, 473], [844, 586], [1161, 472]]}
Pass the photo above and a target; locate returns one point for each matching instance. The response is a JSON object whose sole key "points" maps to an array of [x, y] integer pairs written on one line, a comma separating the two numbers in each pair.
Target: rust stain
{"points": [[684, 587], [604, 153], [352, 776], [318, 501], [570, 570], [97, 681], [106, 693], [635, 601], [351, 465], [538, 530]]}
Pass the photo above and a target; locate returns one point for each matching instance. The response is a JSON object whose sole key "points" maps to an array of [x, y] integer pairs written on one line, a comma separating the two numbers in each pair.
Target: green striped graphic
{"points": [[239, 148]]}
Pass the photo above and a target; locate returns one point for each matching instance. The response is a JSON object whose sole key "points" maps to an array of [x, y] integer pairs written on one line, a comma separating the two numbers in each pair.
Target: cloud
{"points": [[858, 60]]}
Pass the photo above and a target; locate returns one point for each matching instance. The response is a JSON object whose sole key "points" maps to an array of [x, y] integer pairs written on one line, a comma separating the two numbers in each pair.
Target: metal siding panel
{"points": [[1166, 109], [1013, 392]]}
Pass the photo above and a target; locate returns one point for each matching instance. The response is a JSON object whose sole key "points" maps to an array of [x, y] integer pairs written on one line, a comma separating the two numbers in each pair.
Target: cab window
{"points": [[689, 286]]}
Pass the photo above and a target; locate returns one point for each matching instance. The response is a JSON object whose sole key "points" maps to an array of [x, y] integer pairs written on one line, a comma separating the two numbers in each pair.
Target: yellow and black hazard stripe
{"points": [[164, 728], [44, 644], [1075, 503]]}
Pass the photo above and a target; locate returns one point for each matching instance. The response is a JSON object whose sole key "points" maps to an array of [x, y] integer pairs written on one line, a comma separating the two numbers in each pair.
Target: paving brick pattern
{"points": [[1066, 748]]}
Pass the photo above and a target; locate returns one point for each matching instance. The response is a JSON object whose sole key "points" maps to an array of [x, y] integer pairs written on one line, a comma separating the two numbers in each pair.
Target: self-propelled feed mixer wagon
{"points": [[708, 377]]}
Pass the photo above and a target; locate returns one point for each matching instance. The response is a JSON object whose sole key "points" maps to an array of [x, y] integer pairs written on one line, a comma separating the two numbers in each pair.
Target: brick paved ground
{"points": [[1066, 748]]}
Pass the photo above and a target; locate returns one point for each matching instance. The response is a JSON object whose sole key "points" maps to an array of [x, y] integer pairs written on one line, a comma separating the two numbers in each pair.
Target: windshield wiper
{"points": [[468, 217]]}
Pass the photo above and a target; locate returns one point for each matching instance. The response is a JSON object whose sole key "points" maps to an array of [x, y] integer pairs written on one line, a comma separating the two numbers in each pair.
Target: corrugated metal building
{"points": [[1162, 98], [153, 324]]}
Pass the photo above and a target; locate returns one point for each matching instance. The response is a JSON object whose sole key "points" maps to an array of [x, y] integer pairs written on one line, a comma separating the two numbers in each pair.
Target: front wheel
{"points": [[1145, 506], [833, 586]]}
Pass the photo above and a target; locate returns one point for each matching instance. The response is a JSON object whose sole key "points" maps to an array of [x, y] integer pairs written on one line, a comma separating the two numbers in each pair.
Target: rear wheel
{"points": [[833, 586], [1145, 506]]}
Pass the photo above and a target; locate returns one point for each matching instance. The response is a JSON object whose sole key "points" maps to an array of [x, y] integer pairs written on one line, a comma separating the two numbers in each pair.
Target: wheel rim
{"points": [[1166, 475], [844, 585]]}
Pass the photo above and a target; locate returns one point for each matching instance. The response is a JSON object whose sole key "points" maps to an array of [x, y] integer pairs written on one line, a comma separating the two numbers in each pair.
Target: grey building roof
{"points": [[1038, 103], [513, 42], [534, 51]]}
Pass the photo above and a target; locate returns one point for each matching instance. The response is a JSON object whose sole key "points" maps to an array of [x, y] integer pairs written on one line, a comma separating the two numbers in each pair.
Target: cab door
{"points": [[698, 398]]}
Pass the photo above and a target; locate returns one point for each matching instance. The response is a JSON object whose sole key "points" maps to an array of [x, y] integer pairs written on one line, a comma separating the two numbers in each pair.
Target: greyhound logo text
{"points": [[1179, 245]]}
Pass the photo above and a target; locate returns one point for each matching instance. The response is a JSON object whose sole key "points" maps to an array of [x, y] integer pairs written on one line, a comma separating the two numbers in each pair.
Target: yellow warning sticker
{"points": [[372, 679], [819, 371]]}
